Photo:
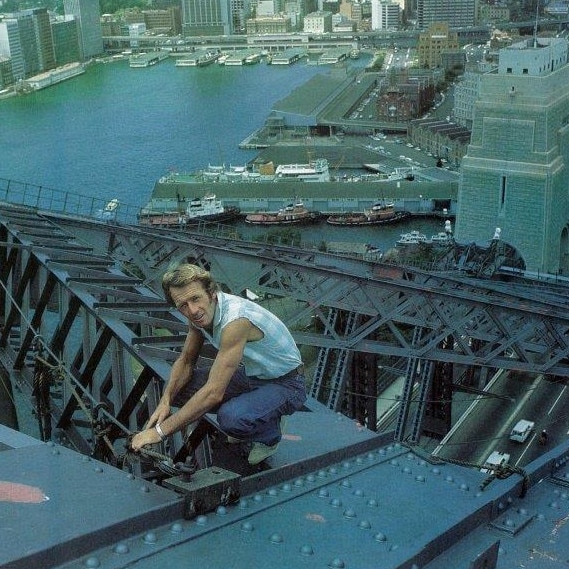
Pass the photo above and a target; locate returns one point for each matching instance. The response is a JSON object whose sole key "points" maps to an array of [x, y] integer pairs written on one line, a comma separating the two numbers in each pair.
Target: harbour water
{"points": [[113, 131]]}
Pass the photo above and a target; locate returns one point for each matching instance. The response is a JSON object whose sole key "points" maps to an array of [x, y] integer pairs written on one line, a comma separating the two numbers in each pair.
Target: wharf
{"points": [[147, 59]]}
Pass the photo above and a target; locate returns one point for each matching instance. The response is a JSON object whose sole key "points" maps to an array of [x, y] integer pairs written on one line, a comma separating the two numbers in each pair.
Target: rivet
{"points": [[130, 476], [336, 563], [380, 536], [322, 474], [510, 523], [359, 460], [243, 504], [372, 503], [247, 527], [86, 458], [336, 503], [93, 562], [121, 548], [276, 538], [272, 492], [364, 524], [201, 520], [359, 493], [346, 484], [394, 462], [221, 511], [554, 505], [382, 452], [299, 482], [177, 528], [258, 498], [287, 487], [406, 470], [464, 486], [436, 470], [333, 470], [311, 478], [420, 478], [370, 456], [144, 489], [150, 537], [55, 452], [346, 464], [449, 478], [306, 550], [323, 493], [522, 511], [98, 469], [349, 514]]}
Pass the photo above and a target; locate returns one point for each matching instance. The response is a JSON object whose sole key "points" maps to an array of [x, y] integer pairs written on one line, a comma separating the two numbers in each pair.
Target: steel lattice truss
{"points": [[65, 286]]}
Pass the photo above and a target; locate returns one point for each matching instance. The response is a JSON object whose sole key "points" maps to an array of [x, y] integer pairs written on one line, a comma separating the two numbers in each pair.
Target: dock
{"points": [[147, 59], [243, 57], [288, 56]]}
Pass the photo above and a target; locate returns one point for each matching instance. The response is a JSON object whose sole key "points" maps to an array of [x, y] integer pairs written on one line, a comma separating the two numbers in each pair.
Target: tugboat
{"points": [[292, 214], [380, 213], [208, 208]]}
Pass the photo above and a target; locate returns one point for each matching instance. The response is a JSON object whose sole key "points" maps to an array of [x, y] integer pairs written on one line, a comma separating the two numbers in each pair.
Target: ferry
{"points": [[200, 58]]}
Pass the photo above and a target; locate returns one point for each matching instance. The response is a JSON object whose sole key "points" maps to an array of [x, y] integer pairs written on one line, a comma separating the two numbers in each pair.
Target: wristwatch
{"points": [[160, 432]]}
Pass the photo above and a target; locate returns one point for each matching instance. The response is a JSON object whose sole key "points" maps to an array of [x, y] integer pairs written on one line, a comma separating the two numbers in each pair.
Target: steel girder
{"points": [[64, 280]]}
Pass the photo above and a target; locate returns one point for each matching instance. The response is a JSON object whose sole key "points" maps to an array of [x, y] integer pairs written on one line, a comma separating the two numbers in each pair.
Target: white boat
{"points": [[316, 171], [441, 238], [412, 238]]}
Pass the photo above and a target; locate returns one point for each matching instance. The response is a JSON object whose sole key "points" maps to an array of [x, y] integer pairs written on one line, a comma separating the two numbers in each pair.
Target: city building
{"points": [[456, 13], [493, 12], [25, 38], [65, 33], [514, 174], [43, 38], [88, 15], [318, 22], [6, 73], [438, 39], [279, 24], [385, 15], [206, 18]]}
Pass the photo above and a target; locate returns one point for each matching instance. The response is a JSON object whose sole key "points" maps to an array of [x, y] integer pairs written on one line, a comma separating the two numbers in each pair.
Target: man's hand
{"points": [[146, 437], [161, 413]]}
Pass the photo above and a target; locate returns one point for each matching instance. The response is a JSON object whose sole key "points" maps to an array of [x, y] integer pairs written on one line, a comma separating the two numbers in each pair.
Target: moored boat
{"points": [[412, 238], [293, 214], [208, 208], [379, 213]]}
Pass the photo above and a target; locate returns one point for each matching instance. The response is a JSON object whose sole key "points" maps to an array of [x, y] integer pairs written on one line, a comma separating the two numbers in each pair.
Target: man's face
{"points": [[194, 302]]}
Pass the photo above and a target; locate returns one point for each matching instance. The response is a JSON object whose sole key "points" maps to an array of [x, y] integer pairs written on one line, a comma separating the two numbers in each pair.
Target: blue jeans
{"points": [[252, 408]]}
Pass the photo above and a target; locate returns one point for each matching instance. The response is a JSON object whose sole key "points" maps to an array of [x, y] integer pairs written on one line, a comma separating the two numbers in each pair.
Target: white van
{"points": [[522, 430], [495, 459]]}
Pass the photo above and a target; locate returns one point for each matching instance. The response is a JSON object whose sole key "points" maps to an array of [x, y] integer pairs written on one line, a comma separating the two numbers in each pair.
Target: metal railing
{"points": [[60, 201]]}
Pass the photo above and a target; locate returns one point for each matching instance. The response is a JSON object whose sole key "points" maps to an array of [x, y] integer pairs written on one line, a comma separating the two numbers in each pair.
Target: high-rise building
{"points": [[43, 38], [206, 17], [88, 13], [514, 174], [456, 13], [385, 15], [65, 32], [11, 46]]}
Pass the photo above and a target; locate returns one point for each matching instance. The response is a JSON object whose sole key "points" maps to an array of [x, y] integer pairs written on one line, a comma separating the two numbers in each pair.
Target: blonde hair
{"points": [[185, 273]]}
